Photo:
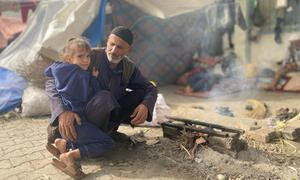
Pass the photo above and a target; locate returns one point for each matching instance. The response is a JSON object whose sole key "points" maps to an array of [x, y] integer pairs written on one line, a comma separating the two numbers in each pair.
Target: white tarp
{"points": [[48, 29], [22, 51], [70, 21], [168, 8]]}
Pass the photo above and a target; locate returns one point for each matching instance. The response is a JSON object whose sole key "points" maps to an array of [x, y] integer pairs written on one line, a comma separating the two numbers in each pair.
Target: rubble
{"points": [[285, 114], [225, 111], [256, 109], [151, 142], [221, 177], [291, 133], [265, 135]]}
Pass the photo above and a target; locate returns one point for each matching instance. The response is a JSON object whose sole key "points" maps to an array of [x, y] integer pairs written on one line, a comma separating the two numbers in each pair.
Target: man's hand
{"points": [[66, 125], [139, 114]]}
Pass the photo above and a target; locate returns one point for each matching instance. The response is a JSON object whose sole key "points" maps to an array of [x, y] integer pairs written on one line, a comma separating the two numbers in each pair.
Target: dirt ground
{"points": [[157, 157], [166, 160]]}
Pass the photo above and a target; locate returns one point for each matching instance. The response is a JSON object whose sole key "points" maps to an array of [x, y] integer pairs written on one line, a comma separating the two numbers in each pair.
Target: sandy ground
{"points": [[166, 160], [163, 159]]}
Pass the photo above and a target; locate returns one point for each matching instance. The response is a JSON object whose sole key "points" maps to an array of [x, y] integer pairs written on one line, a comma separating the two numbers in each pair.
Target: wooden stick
{"points": [[210, 125]]}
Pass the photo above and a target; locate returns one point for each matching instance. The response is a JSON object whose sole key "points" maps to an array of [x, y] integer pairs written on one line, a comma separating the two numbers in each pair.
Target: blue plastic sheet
{"points": [[95, 31], [11, 90]]}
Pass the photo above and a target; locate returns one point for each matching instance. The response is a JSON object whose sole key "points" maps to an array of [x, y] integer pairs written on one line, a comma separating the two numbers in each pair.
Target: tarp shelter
{"points": [[9, 27], [11, 90], [165, 41], [48, 29], [167, 33]]}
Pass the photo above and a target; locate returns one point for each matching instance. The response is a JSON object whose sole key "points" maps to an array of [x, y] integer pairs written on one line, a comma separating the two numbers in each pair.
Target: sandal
{"points": [[73, 170], [53, 150]]}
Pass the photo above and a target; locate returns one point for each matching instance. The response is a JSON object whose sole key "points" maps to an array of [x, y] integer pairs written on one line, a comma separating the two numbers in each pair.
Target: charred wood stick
{"points": [[209, 125], [201, 130]]}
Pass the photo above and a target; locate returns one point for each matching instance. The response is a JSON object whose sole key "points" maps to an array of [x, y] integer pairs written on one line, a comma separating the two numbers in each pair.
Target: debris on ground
{"points": [[282, 122], [225, 111], [138, 137], [285, 114], [256, 109], [190, 142], [221, 177], [193, 134], [153, 141], [296, 118], [198, 107], [141, 138]]}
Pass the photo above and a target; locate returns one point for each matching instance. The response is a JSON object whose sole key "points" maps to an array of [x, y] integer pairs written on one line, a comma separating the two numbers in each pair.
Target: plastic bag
{"points": [[161, 109], [35, 102]]}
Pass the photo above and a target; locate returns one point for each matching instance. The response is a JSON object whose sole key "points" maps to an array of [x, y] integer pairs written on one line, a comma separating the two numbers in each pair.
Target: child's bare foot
{"points": [[269, 87], [67, 158], [188, 89], [67, 163], [61, 145]]}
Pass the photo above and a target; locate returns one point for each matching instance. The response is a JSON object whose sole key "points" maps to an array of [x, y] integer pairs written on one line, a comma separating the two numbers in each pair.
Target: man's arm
{"points": [[59, 115], [138, 81], [57, 106]]}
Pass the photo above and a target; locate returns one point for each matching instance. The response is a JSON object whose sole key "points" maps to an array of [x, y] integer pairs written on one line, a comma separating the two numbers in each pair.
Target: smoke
{"points": [[164, 48]]}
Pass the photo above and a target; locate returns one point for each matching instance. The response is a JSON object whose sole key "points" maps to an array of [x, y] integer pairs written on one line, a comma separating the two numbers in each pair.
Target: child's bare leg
{"points": [[70, 157], [61, 145], [281, 72]]}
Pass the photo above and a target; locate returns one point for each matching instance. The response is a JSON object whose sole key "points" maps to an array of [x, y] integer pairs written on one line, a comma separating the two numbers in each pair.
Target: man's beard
{"points": [[114, 60]]}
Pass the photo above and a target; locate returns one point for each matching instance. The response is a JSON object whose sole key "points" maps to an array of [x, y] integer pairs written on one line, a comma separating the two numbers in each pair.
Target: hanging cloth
{"points": [[257, 18], [281, 4]]}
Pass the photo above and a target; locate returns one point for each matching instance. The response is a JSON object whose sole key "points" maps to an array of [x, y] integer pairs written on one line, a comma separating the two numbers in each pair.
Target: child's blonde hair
{"points": [[80, 42]]}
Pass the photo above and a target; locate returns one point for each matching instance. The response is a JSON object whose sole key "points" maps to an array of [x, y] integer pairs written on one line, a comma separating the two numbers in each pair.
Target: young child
{"points": [[76, 86], [201, 78]]}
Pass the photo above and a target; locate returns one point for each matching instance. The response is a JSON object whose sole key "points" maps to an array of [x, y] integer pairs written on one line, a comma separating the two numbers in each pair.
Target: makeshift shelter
{"points": [[9, 29], [167, 33], [48, 29], [164, 48]]}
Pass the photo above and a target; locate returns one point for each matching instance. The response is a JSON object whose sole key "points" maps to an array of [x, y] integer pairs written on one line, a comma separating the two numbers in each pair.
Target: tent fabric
{"points": [[70, 21], [21, 54], [168, 8], [163, 48], [9, 26], [8, 6], [95, 31], [51, 25], [11, 90], [161, 45]]}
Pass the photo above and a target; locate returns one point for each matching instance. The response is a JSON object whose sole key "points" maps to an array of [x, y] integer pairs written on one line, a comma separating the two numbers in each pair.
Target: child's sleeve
{"points": [[48, 71]]}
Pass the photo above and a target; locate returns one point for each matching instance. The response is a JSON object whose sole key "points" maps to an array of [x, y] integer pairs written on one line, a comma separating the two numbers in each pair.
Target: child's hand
{"points": [[95, 72]]}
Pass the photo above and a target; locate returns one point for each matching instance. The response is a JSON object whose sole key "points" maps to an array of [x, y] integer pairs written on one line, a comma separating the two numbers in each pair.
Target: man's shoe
{"points": [[119, 137]]}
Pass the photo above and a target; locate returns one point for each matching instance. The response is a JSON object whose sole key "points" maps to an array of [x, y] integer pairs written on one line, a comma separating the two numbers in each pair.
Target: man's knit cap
{"points": [[123, 33]]}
